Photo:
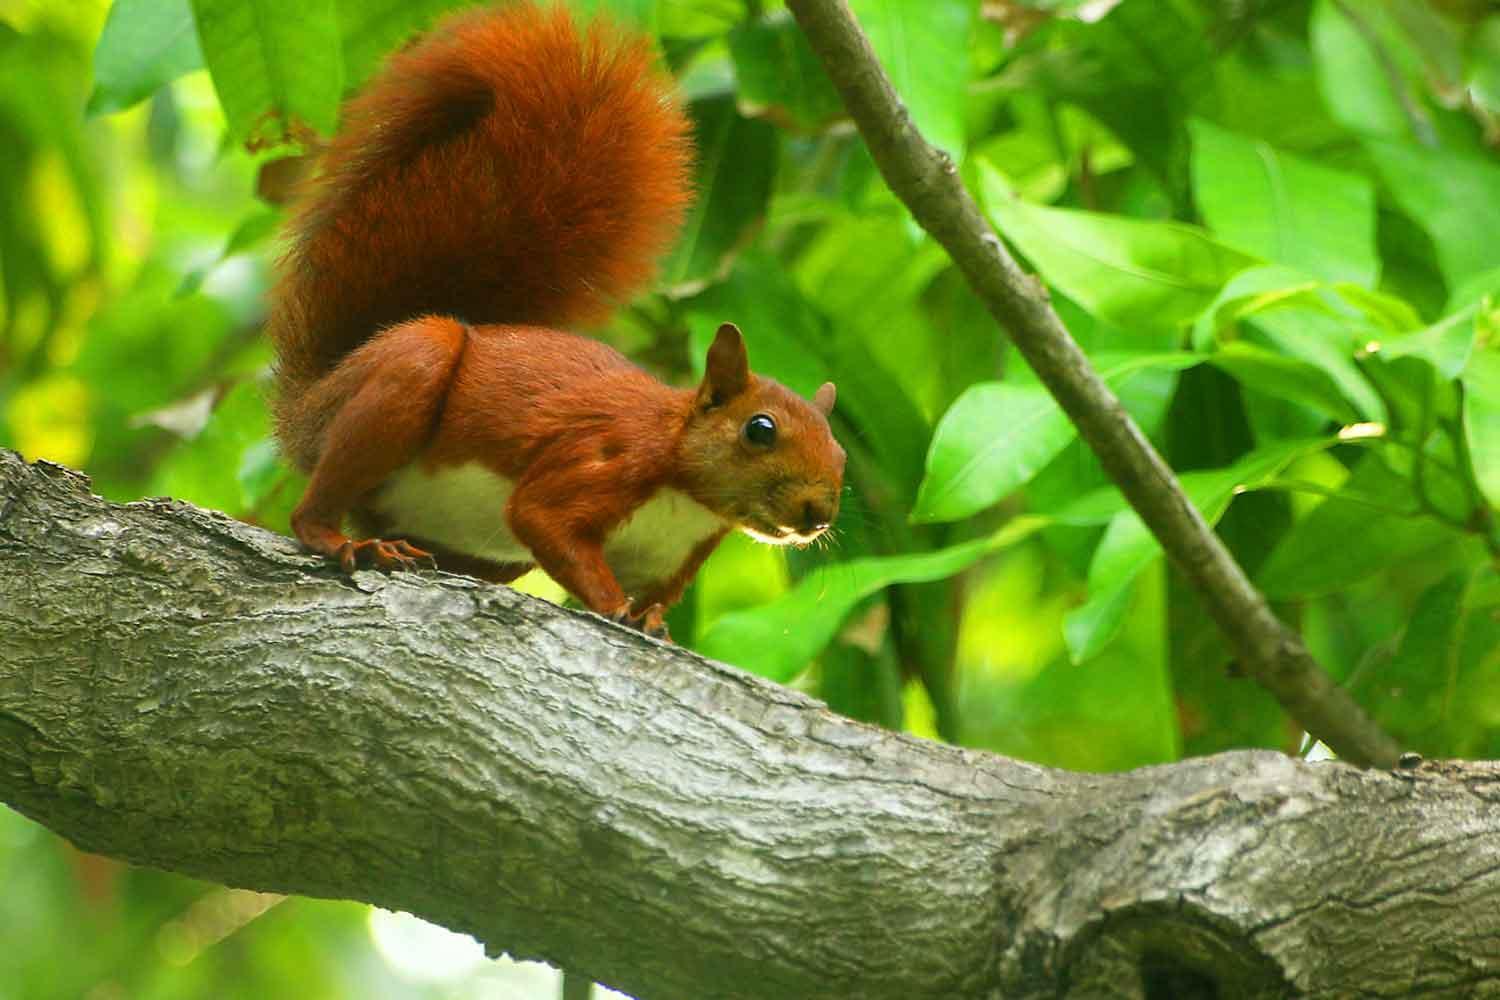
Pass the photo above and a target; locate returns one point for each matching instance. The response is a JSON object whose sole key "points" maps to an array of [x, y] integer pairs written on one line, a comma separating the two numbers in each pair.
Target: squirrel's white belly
{"points": [[462, 508], [652, 544]]}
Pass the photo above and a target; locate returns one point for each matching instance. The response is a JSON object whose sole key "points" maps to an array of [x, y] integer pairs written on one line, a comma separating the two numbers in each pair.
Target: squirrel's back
{"points": [[509, 167]]}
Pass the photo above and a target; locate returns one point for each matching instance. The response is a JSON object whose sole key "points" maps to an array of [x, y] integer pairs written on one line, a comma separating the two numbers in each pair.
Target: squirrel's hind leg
{"points": [[387, 399]]}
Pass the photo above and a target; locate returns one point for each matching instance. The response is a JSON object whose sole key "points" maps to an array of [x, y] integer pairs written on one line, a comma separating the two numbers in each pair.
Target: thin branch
{"points": [[926, 180]]}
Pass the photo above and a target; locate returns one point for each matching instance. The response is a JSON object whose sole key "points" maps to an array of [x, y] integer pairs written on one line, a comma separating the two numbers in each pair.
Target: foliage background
{"points": [[1272, 223]]}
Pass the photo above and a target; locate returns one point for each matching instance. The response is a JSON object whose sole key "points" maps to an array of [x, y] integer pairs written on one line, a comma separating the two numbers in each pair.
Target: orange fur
{"points": [[509, 174], [507, 168]]}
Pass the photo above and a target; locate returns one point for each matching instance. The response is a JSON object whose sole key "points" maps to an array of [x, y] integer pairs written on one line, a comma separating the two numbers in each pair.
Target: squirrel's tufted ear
{"points": [[824, 398], [728, 370]]}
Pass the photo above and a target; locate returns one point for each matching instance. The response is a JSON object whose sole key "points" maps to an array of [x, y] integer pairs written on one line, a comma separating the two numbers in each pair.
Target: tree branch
{"points": [[925, 179], [184, 691]]}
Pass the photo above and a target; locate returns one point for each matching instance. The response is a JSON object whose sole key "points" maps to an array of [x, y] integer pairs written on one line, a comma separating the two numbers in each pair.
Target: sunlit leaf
{"points": [[779, 639], [639, 14], [372, 29], [925, 50], [997, 435], [1134, 273], [694, 18], [1325, 341], [1254, 290], [1359, 87], [277, 65], [1481, 380], [145, 44], [260, 469], [1445, 344], [1284, 377], [1128, 546], [1283, 208], [1455, 198], [994, 438]]}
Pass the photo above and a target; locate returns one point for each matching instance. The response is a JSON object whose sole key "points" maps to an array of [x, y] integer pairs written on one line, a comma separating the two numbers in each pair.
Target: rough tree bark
{"points": [[184, 691]]}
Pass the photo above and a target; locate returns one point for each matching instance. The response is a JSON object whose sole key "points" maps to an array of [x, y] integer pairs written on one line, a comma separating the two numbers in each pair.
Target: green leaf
{"points": [[1134, 273], [1475, 291], [1128, 546], [259, 472], [1409, 693], [1284, 377], [277, 65], [1252, 291], [779, 639], [1356, 86], [1325, 341], [1453, 197], [779, 77], [735, 169], [696, 19], [215, 470], [997, 435], [1137, 71], [1088, 628], [372, 29], [1445, 344], [1481, 381], [864, 269], [1483, 64], [640, 14], [1374, 524], [252, 231], [145, 44], [993, 439], [1284, 208], [924, 49]]}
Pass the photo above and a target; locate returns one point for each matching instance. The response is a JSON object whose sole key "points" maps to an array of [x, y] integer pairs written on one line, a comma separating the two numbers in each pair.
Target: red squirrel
{"points": [[507, 175]]}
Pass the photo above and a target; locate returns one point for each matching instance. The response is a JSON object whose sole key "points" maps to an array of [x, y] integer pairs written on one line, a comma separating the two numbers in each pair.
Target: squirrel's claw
{"points": [[377, 553], [649, 622], [653, 623]]}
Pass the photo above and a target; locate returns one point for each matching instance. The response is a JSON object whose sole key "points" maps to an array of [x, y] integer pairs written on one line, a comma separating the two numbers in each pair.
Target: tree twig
{"points": [[927, 181]]}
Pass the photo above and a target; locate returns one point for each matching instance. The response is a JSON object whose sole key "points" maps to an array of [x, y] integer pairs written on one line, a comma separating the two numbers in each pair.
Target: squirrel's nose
{"points": [[816, 516]]}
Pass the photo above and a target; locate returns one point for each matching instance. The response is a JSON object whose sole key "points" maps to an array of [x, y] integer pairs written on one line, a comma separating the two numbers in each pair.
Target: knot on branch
{"points": [[1168, 950]]}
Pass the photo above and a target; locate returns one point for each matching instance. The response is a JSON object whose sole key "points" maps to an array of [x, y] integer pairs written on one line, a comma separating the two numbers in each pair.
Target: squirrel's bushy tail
{"points": [[509, 167]]}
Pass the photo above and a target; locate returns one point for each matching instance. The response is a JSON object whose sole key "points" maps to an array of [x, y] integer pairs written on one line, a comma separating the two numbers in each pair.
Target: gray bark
{"points": [[184, 691]]}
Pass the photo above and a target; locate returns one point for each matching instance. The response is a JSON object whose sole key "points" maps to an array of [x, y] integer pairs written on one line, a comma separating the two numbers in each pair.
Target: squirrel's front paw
{"points": [[377, 553], [651, 621]]}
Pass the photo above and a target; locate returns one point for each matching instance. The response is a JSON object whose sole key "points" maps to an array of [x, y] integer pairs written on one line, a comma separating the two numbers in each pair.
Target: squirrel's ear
{"points": [[728, 370], [823, 399]]}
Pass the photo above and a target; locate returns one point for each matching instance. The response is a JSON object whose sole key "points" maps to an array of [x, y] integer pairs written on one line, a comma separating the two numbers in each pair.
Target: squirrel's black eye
{"points": [[760, 430]]}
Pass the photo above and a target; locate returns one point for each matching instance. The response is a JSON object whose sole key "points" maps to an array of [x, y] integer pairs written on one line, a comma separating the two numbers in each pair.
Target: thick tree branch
{"points": [[185, 691], [925, 179]]}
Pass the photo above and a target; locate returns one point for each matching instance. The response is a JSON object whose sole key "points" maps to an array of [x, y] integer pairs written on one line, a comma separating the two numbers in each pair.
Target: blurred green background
{"points": [[1271, 223]]}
